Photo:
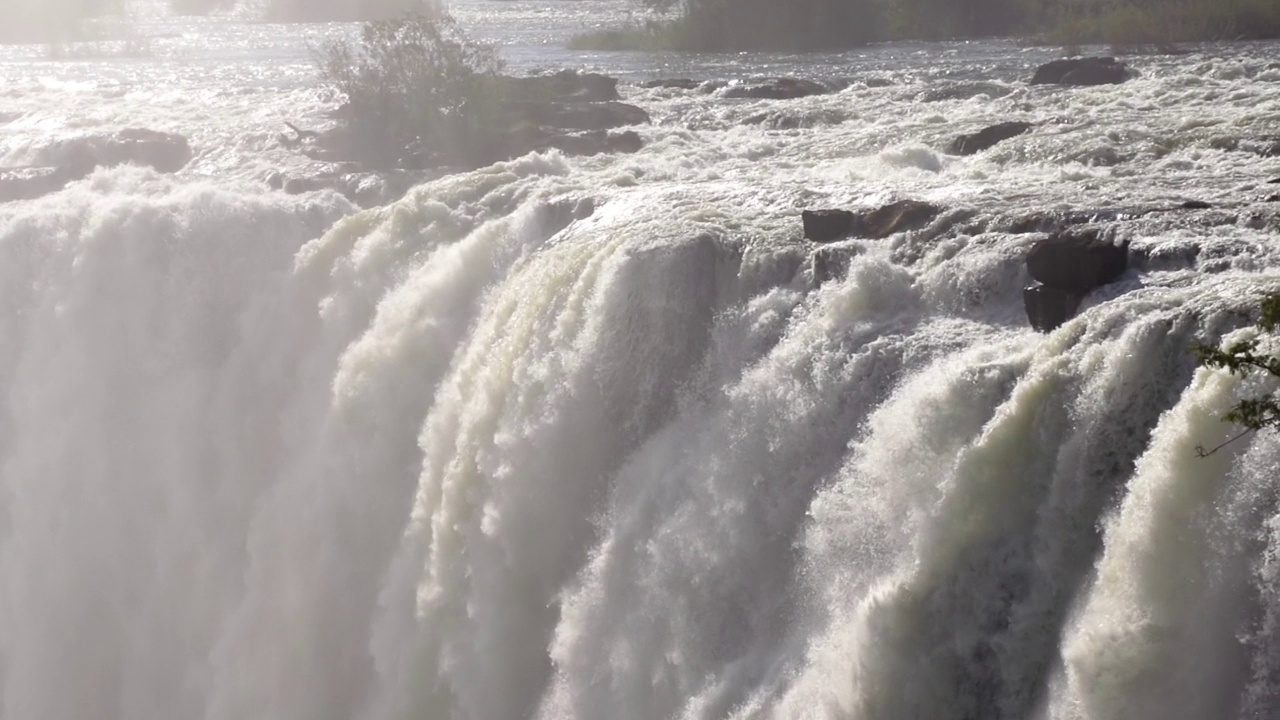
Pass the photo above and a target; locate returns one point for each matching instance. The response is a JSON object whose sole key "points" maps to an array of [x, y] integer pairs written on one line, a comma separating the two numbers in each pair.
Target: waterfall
{"points": [[521, 447]]}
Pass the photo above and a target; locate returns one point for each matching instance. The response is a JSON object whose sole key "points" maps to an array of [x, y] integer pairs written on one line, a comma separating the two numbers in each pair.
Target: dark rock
{"points": [[1082, 71], [582, 116], [1272, 198], [1276, 181], [1195, 205], [987, 137], [1077, 261], [894, 218], [777, 89], [673, 84], [563, 86], [1048, 308], [826, 225]]}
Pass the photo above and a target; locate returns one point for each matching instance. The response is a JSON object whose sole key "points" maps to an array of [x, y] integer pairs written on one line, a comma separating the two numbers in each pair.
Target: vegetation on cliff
{"points": [[1245, 357]]}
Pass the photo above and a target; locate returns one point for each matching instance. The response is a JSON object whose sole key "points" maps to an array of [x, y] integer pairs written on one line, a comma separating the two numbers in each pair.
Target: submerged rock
{"points": [[161, 151], [597, 142], [672, 84], [29, 183], [1082, 71], [987, 137], [582, 116], [66, 161], [1077, 261], [777, 89], [1048, 308], [562, 86]]}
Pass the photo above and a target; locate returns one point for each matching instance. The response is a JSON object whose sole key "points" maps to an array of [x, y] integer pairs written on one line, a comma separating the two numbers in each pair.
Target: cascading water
{"points": [[590, 438]]}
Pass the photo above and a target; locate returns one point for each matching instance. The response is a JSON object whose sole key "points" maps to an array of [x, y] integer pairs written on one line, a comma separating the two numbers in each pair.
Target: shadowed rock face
{"points": [[1082, 71], [1048, 308], [1067, 267], [1077, 262], [987, 137]]}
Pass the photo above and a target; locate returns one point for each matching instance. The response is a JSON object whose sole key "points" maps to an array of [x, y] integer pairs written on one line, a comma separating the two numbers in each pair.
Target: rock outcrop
{"points": [[1082, 71], [987, 137]]}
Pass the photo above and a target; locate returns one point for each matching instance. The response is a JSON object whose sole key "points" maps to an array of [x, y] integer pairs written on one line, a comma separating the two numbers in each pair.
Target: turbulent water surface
{"points": [[465, 456]]}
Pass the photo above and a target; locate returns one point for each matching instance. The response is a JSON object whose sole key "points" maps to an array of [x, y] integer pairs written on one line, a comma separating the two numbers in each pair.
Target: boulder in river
{"points": [[826, 225], [1048, 307], [777, 89], [873, 224], [1082, 71], [894, 218], [987, 137], [1077, 261], [672, 84]]}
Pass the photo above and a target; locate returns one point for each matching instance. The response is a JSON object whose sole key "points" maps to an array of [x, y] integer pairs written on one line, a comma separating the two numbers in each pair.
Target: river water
{"points": [[270, 456]]}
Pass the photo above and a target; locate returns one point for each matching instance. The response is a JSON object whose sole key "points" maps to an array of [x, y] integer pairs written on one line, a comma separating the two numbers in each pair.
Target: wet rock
{"points": [[1048, 308], [1056, 220], [164, 152], [1077, 261], [32, 182], [597, 142], [366, 189], [1276, 181], [672, 84], [777, 89], [1272, 198], [780, 120], [873, 224], [894, 218], [830, 263], [826, 225], [562, 86], [987, 137], [1195, 205], [1082, 71], [582, 116]]}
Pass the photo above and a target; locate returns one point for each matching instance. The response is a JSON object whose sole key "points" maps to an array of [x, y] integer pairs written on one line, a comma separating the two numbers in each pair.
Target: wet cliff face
{"points": [[475, 456]]}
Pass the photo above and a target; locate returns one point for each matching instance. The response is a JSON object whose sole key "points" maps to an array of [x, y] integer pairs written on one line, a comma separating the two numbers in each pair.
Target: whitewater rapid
{"points": [[586, 438]]}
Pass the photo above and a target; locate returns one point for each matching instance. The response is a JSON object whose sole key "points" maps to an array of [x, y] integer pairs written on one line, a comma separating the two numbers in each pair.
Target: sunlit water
{"points": [[268, 456]]}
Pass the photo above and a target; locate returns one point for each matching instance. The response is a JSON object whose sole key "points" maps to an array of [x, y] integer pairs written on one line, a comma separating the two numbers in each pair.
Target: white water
{"points": [[264, 456]]}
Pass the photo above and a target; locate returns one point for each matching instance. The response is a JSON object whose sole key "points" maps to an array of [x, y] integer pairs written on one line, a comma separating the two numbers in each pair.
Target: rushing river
{"points": [[270, 457]]}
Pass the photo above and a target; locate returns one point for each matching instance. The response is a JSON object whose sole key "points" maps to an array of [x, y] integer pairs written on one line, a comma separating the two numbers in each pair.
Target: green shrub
{"points": [[1245, 357], [415, 82]]}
